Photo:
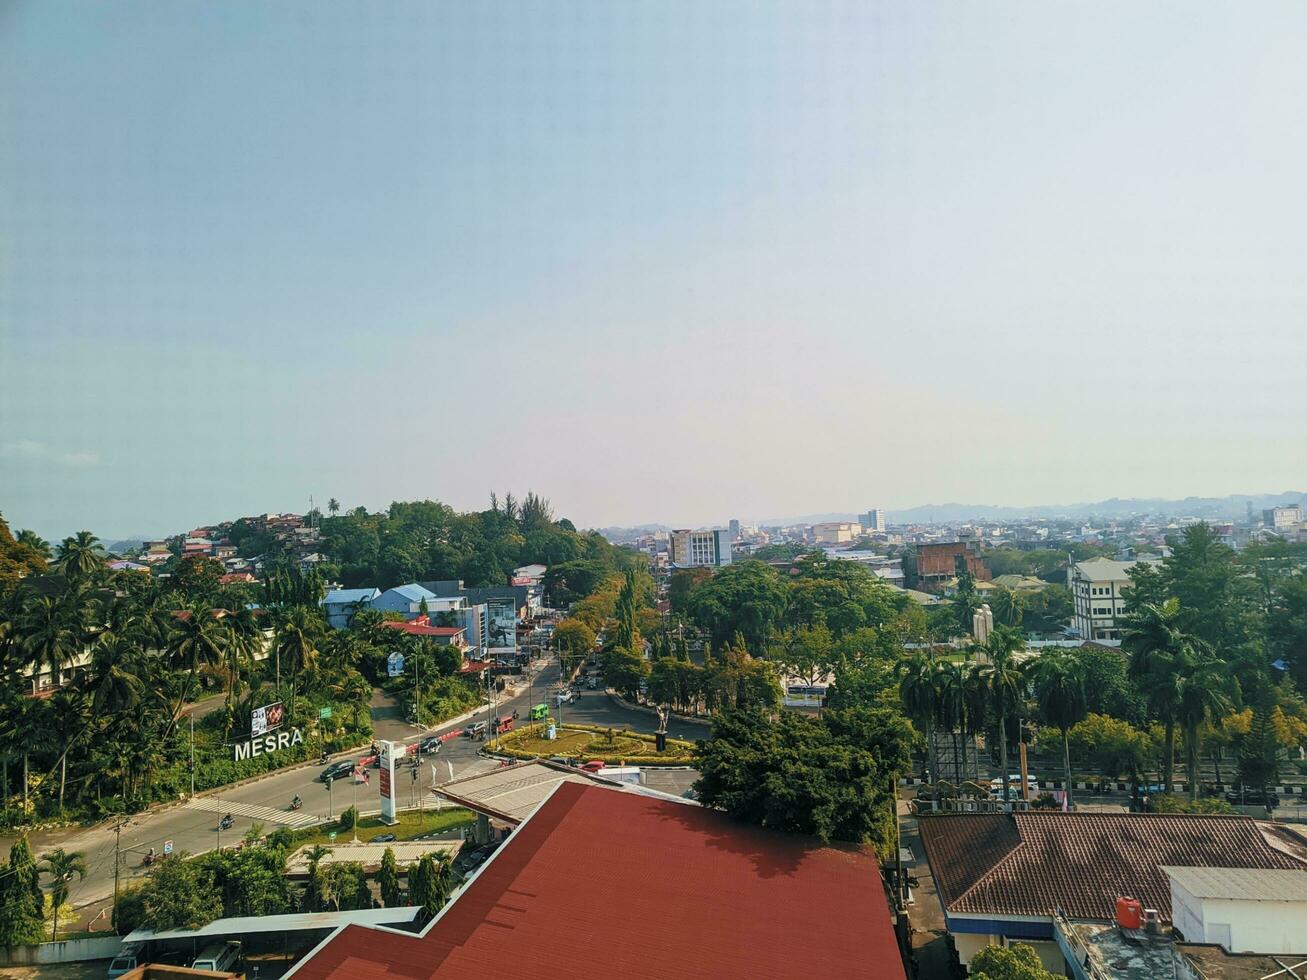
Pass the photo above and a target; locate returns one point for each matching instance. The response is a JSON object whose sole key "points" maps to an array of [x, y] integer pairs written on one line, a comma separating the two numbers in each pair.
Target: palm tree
{"points": [[296, 642], [36, 543], [951, 697], [333, 506], [1008, 606], [1159, 651], [1002, 683], [1059, 682], [80, 556], [68, 723], [918, 691], [114, 680], [244, 646], [61, 865], [50, 635], [199, 639], [1203, 694]]}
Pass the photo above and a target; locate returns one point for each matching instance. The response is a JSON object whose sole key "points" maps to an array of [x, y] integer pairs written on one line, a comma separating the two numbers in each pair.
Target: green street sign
{"points": [[332, 836], [324, 713]]}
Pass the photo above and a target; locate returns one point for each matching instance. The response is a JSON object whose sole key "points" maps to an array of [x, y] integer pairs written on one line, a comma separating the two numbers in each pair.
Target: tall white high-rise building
{"points": [[874, 520]]}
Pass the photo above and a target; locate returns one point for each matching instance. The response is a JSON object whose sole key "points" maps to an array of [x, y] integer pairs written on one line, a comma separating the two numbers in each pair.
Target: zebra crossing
{"points": [[262, 814]]}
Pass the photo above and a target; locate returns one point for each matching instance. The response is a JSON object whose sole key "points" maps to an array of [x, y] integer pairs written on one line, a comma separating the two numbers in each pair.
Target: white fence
{"points": [[68, 951]]}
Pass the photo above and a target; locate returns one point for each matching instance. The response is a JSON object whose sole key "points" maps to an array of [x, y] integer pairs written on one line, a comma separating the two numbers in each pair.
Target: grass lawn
{"points": [[411, 824], [585, 743]]}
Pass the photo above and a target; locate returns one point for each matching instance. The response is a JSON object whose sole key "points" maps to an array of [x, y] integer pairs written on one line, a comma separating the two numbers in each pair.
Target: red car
{"points": [[594, 765]]}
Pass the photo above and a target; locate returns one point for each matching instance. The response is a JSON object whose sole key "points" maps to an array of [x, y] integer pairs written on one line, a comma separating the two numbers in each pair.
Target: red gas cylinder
{"points": [[1129, 913]]}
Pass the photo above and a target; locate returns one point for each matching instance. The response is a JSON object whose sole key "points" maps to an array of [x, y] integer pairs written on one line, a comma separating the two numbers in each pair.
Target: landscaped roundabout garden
{"points": [[612, 746]]}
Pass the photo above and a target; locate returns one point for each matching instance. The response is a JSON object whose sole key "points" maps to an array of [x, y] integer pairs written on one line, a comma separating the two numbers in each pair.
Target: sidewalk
{"points": [[929, 934]]}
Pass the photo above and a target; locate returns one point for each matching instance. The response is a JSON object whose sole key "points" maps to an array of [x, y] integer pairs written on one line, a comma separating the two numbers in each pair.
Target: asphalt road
{"points": [[193, 826]]}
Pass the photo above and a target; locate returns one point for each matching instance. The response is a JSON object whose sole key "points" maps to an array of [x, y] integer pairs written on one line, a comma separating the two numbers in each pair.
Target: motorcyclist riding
{"points": [[296, 803]]}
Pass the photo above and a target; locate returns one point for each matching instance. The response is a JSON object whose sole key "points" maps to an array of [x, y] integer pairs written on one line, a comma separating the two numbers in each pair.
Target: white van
{"points": [[219, 958], [127, 960]]}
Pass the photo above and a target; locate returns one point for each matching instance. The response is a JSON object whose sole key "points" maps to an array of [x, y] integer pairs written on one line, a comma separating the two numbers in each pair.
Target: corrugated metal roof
{"points": [[244, 925], [1033, 863], [414, 592], [1254, 885], [601, 884]]}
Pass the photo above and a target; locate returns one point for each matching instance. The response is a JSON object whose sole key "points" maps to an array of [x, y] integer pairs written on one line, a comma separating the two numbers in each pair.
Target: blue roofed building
{"points": [[407, 600], [341, 605]]}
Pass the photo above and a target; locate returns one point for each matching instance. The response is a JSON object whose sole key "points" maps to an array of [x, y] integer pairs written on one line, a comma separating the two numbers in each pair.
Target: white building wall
{"points": [[1256, 927]]}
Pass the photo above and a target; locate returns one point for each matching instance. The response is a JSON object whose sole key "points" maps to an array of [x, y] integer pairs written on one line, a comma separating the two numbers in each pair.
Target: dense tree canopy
{"points": [[830, 778]]}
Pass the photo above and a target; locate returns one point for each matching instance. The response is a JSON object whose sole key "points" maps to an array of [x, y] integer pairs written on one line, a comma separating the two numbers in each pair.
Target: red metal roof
{"points": [[599, 883], [1033, 863]]}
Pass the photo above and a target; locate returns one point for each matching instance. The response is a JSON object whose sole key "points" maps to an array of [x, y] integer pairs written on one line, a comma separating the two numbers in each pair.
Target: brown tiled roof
{"points": [[1034, 863]]}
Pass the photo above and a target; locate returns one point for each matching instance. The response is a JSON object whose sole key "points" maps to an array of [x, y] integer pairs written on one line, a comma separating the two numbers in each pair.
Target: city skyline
{"points": [[683, 261]]}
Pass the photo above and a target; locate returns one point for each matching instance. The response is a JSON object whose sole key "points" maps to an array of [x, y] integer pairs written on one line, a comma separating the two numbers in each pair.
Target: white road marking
{"points": [[264, 814]]}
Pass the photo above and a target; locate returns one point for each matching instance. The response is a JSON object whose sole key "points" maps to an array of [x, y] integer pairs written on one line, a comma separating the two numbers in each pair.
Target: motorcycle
{"points": [[226, 823], [296, 803], [148, 859]]}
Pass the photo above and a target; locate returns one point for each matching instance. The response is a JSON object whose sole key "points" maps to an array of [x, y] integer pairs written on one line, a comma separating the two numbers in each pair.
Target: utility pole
{"points": [[117, 863], [191, 715]]}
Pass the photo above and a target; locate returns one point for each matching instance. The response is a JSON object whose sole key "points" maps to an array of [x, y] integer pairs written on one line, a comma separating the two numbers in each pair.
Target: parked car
{"points": [[592, 683], [218, 958], [594, 765], [337, 770], [383, 839], [128, 959], [1247, 796]]}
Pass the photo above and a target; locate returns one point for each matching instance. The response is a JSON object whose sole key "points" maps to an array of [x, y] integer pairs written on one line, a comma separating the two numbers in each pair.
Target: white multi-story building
{"points": [[835, 532], [874, 521], [1096, 594], [699, 549], [1282, 518]]}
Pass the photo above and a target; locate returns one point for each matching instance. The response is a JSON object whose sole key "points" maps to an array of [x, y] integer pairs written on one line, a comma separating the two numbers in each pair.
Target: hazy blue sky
{"points": [[672, 261]]}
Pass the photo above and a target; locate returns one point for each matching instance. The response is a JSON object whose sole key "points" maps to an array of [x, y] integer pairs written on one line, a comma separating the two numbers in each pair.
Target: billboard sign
{"points": [[395, 664], [267, 719], [501, 616], [386, 782]]}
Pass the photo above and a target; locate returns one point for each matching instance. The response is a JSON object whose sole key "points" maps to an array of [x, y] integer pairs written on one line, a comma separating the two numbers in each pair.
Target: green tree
{"points": [[1259, 753], [431, 882], [62, 866], [574, 641], [38, 544], [1159, 650], [388, 879], [1016, 962], [80, 557], [51, 633], [333, 506], [180, 895], [1008, 606], [919, 691], [199, 638], [1001, 681], [1205, 694], [1060, 694], [802, 775], [345, 887], [21, 903]]}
